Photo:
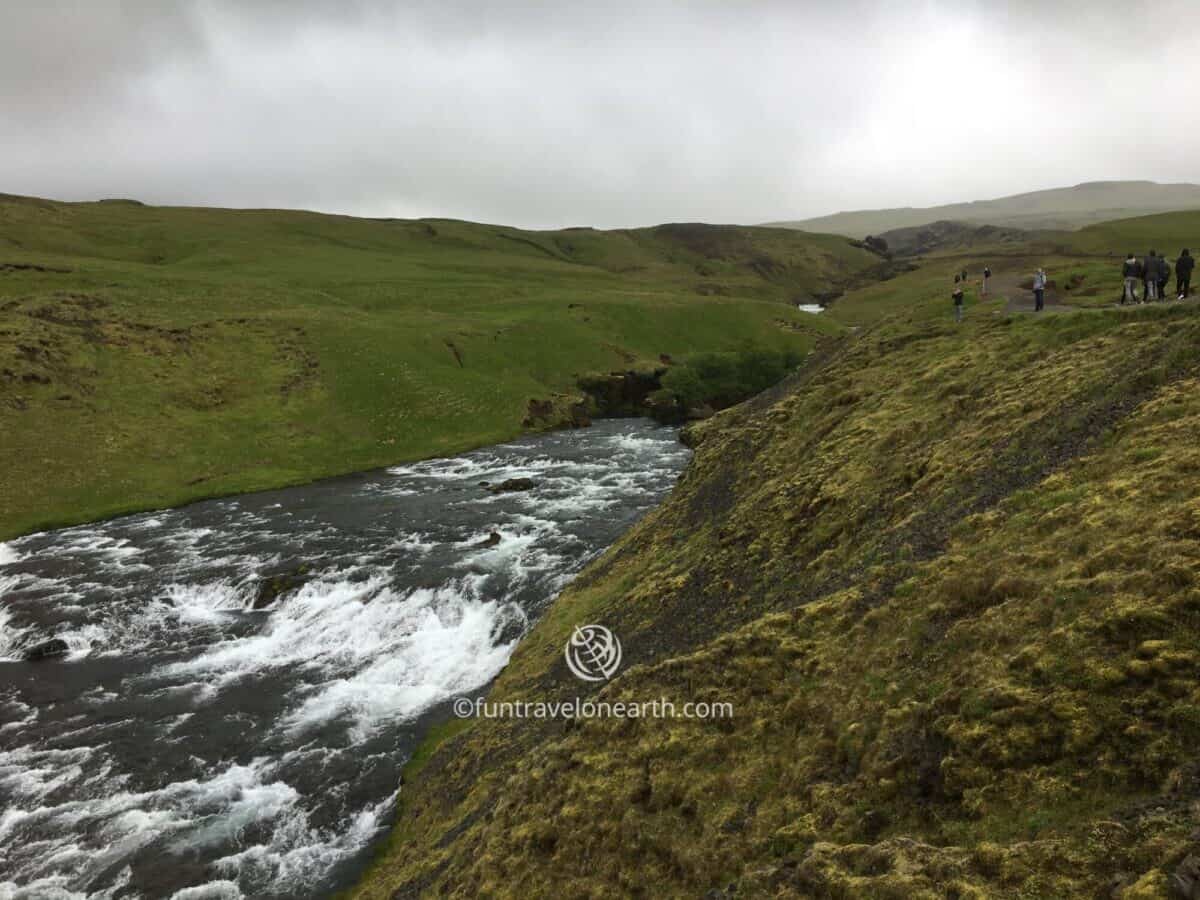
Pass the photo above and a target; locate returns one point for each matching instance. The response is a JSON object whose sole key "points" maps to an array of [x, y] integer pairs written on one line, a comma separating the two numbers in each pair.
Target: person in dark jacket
{"points": [[1164, 275], [1183, 274], [1131, 272], [1150, 274]]}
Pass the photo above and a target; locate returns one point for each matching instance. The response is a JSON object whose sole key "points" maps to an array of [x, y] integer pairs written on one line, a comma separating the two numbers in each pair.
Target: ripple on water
{"points": [[258, 751]]}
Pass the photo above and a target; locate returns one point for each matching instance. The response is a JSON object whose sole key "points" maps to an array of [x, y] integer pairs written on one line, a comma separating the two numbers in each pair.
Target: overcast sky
{"points": [[592, 113]]}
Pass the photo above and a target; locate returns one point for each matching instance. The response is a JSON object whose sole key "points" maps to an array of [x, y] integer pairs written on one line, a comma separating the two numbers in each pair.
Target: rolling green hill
{"points": [[1057, 209], [949, 579], [149, 356]]}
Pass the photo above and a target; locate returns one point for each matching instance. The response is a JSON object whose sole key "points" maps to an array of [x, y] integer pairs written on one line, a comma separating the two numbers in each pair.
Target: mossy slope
{"points": [[950, 580]]}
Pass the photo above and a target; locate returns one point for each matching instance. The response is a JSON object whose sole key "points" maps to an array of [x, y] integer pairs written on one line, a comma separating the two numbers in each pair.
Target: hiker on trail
{"points": [[1039, 290], [1164, 275], [1183, 274], [1131, 271], [987, 273], [959, 282], [1150, 274]]}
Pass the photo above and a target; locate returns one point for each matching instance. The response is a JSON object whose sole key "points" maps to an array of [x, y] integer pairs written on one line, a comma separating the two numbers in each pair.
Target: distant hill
{"points": [[945, 236], [1059, 209]]}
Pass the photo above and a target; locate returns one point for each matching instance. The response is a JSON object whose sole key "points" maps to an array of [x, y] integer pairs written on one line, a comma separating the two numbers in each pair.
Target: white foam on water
{"points": [[442, 469], [417, 542], [53, 888], [357, 651], [13, 637], [112, 551], [326, 623], [432, 645], [585, 497], [197, 812], [299, 855], [213, 890], [204, 604], [380, 656], [16, 714]]}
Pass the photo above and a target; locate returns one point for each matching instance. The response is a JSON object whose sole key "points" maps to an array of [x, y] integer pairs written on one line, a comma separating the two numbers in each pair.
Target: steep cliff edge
{"points": [[947, 579]]}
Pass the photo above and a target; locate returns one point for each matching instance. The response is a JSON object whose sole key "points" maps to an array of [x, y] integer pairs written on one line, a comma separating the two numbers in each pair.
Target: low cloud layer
{"points": [[547, 114]]}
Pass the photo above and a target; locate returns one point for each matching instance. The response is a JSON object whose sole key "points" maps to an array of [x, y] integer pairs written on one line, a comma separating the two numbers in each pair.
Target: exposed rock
{"points": [[703, 411], [274, 587], [50, 649], [509, 627], [876, 244], [491, 540], [537, 409], [30, 267], [943, 235], [511, 485], [559, 411], [579, 415], [458, 357], [621, 393], [1185, 882]]}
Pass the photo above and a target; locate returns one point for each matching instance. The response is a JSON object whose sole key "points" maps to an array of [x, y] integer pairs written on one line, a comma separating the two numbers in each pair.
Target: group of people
{"points": [[960, 285], [1154, 272]]}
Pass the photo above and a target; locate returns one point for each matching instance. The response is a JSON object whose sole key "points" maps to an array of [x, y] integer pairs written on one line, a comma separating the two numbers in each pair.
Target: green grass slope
{"points": [[1056, 209], [149, 356], [949, 578]]}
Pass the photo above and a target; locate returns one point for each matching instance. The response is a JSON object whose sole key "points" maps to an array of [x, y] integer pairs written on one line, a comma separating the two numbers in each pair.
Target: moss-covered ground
{"points": [[947, 575]]}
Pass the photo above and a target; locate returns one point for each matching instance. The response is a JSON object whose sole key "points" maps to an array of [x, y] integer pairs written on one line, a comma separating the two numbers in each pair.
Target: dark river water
{"points": [[190, 746]]}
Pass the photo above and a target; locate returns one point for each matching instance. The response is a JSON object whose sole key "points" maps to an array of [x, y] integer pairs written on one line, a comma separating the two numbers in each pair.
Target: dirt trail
{"points": [[1018, 298]]}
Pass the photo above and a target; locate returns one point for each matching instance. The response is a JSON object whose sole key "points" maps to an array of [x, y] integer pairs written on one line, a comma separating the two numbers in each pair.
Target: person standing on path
{"points": [[1164, 275], [1150, 274], [1131, 272], [1039, 290], [959, 283], [1183, 274], [987, 273]]}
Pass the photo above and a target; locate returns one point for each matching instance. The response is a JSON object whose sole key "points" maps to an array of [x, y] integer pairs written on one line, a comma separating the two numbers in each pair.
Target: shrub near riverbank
{"points": [[707, 382]]}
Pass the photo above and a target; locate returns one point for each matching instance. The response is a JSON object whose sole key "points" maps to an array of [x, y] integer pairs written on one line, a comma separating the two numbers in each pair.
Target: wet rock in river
{"points": [[513, 484], [491, 540], [51, 649], [276, 586]]}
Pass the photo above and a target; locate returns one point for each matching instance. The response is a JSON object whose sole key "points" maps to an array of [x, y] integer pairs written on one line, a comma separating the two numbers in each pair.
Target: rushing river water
{"points": [[194, 747]]}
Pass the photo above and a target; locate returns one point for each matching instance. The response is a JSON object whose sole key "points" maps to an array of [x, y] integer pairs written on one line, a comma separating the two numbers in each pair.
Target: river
{"points": [[191, 746]]}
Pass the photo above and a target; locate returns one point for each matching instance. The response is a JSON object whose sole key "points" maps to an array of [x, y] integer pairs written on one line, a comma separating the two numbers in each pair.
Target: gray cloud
{"points": [[546, 114]]}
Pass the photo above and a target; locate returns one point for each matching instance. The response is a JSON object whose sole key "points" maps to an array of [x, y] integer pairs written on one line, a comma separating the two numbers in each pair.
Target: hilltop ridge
{"points": [[1054, 209]]}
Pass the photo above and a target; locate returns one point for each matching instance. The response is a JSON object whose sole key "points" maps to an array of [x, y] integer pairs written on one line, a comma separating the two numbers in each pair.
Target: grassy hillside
{"points": [[949, 578], [1057, 209], [149, 356]]}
